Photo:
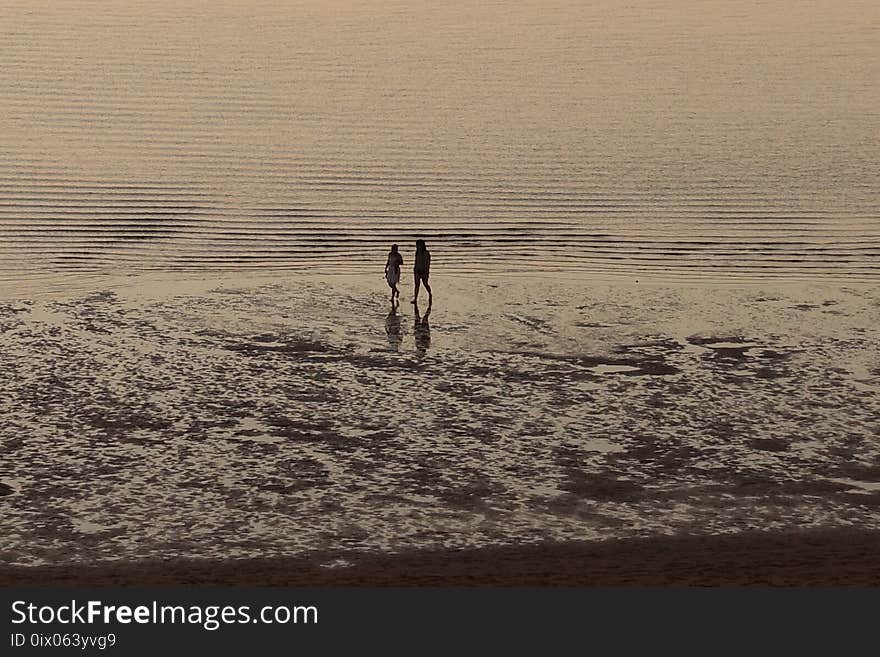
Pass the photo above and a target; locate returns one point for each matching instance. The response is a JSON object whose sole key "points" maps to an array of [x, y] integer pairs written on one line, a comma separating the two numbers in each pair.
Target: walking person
{"points": [[392, 271], [422, 269]]}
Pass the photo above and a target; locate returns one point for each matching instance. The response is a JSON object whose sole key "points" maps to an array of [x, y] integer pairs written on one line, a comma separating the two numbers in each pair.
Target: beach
{"points": [[653, 355], [296, 421], [801, 558]]}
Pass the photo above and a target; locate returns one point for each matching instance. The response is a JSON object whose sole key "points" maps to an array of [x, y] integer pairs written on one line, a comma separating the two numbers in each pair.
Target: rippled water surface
{"points": [[664, 139]]}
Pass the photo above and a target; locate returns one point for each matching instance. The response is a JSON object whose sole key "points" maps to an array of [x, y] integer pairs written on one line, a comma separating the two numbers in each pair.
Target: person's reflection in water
{"points": [[422, 330], [392, 329]]}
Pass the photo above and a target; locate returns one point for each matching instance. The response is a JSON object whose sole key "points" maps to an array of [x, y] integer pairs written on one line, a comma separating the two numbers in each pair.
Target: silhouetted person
{"points": [[421, 270], [392, 271], [422, 330]]}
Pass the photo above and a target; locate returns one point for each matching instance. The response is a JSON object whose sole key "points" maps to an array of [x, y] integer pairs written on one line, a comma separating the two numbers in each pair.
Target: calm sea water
{"points": [[658, 138]]}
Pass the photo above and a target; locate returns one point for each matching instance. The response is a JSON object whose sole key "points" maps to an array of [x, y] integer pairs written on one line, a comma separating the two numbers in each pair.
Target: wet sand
{"points": [[248, 421], [800, 558]]}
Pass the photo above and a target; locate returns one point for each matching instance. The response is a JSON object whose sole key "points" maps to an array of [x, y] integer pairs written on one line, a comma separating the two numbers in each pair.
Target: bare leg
{"points": [[416, 293], [430, 296]]}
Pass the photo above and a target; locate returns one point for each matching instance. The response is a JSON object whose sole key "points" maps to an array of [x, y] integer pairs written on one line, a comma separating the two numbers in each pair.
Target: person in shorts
{"points": [[422, 270]]}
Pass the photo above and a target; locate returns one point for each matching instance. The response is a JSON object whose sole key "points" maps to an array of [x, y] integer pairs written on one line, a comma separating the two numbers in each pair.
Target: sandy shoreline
{"points": [[843, 557], [234, 419]]}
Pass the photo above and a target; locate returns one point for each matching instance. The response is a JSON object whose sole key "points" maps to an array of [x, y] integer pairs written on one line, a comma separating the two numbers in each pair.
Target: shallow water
{"points": [[266, 417], [660, 139]]}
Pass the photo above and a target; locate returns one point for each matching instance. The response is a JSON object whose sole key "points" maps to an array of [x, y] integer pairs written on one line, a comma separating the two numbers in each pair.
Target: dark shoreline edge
{"points": [[829, 557]]}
